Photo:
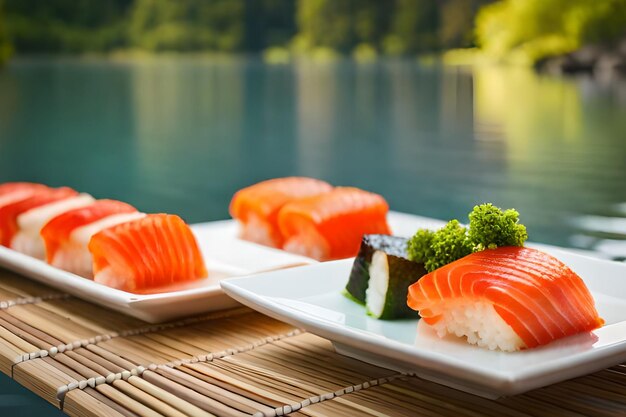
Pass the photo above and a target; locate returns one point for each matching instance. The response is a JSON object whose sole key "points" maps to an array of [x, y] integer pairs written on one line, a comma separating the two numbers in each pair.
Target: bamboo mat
{"points": [[90, 361]]}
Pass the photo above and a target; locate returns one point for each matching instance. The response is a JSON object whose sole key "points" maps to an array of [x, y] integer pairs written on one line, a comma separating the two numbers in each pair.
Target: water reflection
{"points": [[564, 152], [65, 122], [181, 135]]}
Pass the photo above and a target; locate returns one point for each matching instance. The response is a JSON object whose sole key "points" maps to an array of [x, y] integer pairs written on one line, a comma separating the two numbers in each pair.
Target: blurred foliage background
{"points": [[343, 26], [526, 30], [529, 30], [5, 46]]}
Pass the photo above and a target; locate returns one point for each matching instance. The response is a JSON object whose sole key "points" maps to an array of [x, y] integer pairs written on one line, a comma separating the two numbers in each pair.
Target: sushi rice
{"points": [[75, 256], [376, 292], [479, 323], [28, 239]]}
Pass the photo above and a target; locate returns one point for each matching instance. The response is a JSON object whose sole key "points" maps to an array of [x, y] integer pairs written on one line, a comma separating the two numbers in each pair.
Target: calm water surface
{"points": [[181, 135]]}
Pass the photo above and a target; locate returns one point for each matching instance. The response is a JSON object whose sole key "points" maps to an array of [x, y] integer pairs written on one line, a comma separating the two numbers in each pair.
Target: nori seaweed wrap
{"points": [[391, 274], [359, 276]]}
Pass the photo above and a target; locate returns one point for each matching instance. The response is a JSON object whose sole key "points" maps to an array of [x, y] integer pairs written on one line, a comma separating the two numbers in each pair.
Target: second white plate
{"points": [[310, 297]]}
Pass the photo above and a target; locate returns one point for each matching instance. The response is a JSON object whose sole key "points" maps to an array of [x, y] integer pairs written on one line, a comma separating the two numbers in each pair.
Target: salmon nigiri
{"points": [[256, 207], [22, 220], [11, 192], [66, 236], [507, 298], [331, 225], [154, 251]]}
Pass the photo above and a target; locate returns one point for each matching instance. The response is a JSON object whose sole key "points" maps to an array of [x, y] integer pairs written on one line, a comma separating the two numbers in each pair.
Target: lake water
{"points": [[182, 135]]}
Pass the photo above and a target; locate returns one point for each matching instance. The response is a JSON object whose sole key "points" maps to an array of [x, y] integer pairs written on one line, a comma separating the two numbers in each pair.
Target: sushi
{"points": [[256, 207], [508, 298], [12, 192], [360, 275], [66, 236], [22, 220], [390, 275], [381, 275], [28, 239], [331, 225], [154, 251]]}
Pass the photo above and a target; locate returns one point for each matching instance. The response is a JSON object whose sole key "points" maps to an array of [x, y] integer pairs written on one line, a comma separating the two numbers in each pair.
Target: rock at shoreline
{"points": [[588, 59]]}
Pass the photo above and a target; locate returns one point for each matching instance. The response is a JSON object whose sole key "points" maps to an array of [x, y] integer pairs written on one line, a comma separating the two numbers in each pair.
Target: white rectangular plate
{"points": [[225, 256], [311, 297]]}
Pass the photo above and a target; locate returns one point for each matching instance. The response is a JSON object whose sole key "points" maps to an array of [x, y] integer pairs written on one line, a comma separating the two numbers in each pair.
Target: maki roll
{"points": [[391, 273], [381, 275], [359, 277]]}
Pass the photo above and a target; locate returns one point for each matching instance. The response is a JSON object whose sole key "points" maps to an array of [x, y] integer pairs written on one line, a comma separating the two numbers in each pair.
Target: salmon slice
{"points": [[256, 207], [11, 192], [9, 212], [534, 294], [66, 236], [154, 251], [331, 225]]}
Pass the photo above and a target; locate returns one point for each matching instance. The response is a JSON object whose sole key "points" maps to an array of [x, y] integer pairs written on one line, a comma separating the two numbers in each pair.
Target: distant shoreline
{"points": [[590, 59]]}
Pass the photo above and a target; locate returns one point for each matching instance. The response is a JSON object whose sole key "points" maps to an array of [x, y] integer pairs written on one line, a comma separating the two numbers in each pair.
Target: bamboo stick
{"points": [[84, 372], [81, 404], [42, 378], [111, 357], [17, 285], [63, 328], [28, 333], [253, 396], [98, 321], [232, 399], [106, 364], [157, 404], [17, 301], [168, 397], [128, 349], [205, 403], [105, 400], [15, 346], [244, 384], [93, 366], [126, 402], [422, 390]]}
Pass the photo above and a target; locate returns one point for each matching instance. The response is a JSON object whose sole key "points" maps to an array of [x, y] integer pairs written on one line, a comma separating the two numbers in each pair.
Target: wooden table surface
{"points": [[90, 361]]}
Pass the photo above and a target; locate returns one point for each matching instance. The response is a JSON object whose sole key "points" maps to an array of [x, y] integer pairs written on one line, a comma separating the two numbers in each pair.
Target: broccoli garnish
{"points": [[448, 244], [489, 228], [436, 249], [419, 246]]}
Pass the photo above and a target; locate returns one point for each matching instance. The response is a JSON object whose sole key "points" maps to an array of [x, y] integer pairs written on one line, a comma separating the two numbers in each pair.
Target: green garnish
{"points": [[436, 249], [489, 228]]}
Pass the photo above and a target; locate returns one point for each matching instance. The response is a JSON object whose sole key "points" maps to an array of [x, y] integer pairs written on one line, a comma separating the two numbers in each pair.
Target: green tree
{"points": [[413, 28], [325, 23], [187, 25], [533, 29], [456, 26], [5, 46], [66, 25], [269, 23], [394, 26]]}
